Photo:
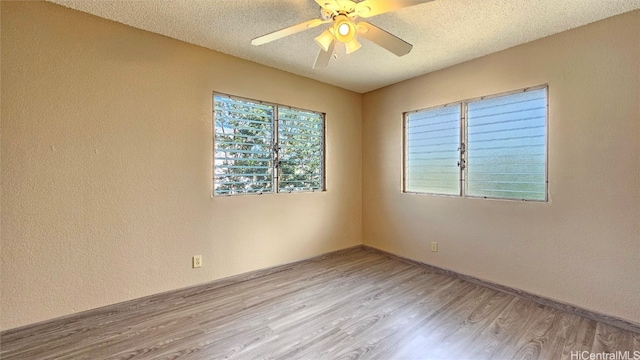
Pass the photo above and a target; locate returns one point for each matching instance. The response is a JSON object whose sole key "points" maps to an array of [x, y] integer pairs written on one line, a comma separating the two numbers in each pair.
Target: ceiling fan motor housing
{"points": [[332, 8]]}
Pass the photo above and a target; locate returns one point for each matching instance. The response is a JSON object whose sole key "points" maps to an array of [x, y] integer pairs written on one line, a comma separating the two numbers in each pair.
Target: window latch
{"points": [[461, 164], [461, 148]]}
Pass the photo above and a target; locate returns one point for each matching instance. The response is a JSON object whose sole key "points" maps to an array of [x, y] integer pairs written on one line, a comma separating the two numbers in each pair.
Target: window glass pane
{"points": [[507, 146], [432, 155], [243, 138], [301, 150]]}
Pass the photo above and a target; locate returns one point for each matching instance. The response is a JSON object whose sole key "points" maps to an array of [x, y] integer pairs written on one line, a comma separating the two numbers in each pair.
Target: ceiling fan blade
{"points": [[369, 8], [288, 31], [383, 38], [324, 56]]}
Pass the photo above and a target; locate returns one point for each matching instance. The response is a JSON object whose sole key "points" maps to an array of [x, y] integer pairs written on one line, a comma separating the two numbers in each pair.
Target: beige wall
{"points": [[106, 166], [583, 246]]}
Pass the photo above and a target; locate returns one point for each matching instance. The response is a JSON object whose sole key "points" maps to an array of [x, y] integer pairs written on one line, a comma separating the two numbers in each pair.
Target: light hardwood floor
{"points": [[355, 304]]}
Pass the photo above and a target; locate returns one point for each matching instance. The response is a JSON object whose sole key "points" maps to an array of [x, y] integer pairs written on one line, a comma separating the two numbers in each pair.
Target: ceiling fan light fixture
{"points": [[344, 29], [352, 46], [324, 40]]}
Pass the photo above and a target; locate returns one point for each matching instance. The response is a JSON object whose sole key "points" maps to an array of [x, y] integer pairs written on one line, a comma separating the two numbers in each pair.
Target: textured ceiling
{"points": [[443, 32]]}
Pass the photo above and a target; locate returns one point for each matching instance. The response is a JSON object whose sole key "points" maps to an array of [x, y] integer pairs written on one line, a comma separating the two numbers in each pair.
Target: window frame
{"points": [[275, 168], [464, 145]]}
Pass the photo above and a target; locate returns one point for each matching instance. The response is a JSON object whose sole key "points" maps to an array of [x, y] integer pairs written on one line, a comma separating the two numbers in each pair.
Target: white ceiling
{"points": [[443, 32]]}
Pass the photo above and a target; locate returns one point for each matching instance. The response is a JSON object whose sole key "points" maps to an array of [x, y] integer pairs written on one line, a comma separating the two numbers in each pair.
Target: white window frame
{"points": [[463, 148], [275, 166]]}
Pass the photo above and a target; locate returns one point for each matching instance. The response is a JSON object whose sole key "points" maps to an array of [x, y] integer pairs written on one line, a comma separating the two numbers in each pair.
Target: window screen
{"points": [[507, 146], [243, 146], [301, 144], [432, 140]]}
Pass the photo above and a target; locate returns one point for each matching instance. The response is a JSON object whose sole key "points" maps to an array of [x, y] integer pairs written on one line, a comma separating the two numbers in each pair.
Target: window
{"points": [[300, 150], [264, 148], [494, 147]]}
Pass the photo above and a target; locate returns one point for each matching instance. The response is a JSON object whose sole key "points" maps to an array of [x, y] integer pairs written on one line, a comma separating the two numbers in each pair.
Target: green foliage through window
{"points": [[263, 148]]}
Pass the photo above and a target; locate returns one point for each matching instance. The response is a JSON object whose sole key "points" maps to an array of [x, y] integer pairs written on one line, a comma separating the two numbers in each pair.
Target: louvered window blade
{"points": [[243, 154], [300, 155], [432, 140], [507, 146]]}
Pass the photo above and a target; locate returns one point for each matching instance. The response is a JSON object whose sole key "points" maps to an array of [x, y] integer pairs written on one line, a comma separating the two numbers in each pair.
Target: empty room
{"points": [[320, 179]]}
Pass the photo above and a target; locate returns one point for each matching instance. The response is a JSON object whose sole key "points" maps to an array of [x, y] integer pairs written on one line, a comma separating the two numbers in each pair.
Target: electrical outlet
{"points": [[434, 246], [196, 261]]}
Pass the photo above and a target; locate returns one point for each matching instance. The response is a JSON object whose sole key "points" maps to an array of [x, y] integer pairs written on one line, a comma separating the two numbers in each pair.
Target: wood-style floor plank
{"points": [[355, 304]]}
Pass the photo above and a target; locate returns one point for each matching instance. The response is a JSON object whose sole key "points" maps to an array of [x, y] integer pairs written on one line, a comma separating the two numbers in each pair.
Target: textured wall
{"points": [[106, 166], [583, 246]]}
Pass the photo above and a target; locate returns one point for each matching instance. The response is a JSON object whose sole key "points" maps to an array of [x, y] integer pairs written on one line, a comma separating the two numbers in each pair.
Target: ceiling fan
{"points": [[343, 14]]}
